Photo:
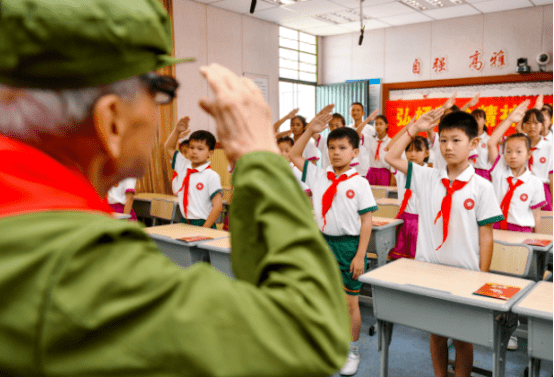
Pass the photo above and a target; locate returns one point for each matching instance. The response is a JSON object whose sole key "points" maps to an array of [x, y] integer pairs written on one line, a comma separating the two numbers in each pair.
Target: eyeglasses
{"points": [[163, 88]]}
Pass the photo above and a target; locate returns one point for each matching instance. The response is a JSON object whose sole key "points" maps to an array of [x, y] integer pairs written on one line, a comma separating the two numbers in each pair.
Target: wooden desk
{"points": [[182, 253], [392, 191], [536, 305], [141, 204], [220, 254], [383, 238], [540, 253], [387, 202], [440, 299]]}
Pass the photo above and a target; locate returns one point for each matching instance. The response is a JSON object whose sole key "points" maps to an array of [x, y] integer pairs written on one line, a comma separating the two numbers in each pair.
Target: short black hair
{"points": [[338, 116], [345, 132], [206, 136], [480, 113], [358, 103], [419, 143], [462, 121], [520, 136], [184, 142], [531, 112], [285, 139], [548, 108], [383, 118]]}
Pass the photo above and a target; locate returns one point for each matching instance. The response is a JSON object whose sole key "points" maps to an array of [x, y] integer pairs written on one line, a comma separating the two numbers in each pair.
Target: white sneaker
{"points": [[351, 365], [512, 343]]}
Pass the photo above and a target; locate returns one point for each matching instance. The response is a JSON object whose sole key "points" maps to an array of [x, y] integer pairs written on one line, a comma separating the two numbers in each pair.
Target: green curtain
{"points": [[343, 95]]}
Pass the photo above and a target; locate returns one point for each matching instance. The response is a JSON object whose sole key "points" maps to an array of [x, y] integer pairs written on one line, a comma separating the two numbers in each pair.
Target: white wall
{"points": [[212, 35], [389, 53]]}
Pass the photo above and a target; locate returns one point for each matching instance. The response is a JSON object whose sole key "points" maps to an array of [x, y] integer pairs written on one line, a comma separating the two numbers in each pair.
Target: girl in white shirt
{"points": [[480, 155]]}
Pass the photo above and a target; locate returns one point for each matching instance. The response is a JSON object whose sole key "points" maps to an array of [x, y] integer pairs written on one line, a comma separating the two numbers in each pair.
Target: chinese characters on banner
{"points": [[416, 67], [476, 62], [399, 113]]}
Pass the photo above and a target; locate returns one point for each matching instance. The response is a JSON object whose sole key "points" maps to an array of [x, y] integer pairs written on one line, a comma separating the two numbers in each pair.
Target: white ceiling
{"points": [[332, 17]]}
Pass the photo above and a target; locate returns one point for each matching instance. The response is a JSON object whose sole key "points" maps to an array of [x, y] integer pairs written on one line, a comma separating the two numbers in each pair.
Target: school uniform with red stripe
{"points": [[450, 214], [518, 197], [540, 165], [353, 197], [201, 185]]}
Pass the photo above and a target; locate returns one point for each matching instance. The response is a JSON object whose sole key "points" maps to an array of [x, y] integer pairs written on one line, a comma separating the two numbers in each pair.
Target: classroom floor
{"points": [[409, 353]]}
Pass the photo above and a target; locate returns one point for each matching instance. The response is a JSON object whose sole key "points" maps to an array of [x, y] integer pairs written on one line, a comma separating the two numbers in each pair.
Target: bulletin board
{"points": [[499, 96]]}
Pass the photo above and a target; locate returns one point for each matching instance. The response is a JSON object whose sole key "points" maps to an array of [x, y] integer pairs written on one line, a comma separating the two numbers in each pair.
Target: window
{"points": [[297, 73]]}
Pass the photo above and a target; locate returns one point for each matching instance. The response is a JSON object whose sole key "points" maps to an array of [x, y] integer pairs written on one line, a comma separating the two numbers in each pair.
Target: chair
{"points": [[162, 209], [379, 193], [387, 210], [512, 260], [545, 226]]}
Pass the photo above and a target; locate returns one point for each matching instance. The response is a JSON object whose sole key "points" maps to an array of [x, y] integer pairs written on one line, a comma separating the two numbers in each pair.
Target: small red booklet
{"points": [[532, 242], [379, 223], [195, 238], [501, 291]]}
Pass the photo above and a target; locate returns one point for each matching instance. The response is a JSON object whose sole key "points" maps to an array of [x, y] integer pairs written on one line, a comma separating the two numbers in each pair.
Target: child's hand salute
{"points": [[428, 120], [321, 120], [182, 127]]}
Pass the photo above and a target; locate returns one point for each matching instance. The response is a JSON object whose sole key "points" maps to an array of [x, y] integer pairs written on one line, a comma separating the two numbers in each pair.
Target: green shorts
{"points": [[197, 222], [345, 249]]}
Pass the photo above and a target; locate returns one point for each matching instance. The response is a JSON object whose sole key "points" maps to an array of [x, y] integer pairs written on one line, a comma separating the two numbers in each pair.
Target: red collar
{"points": [[32, 181]]}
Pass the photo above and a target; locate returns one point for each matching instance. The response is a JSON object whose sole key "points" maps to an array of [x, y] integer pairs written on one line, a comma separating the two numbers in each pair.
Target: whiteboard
{"points": [[262, 82]]}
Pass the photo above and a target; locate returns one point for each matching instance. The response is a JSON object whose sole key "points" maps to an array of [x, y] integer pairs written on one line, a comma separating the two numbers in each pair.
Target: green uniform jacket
{"points": [[87, 295]]}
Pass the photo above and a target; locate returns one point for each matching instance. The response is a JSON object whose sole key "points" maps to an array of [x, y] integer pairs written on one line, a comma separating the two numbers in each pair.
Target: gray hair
{"points": [[25, 113]]}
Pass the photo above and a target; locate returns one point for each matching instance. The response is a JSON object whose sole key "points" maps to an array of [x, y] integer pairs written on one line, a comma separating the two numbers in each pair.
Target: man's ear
{"points": [[109, 124]]}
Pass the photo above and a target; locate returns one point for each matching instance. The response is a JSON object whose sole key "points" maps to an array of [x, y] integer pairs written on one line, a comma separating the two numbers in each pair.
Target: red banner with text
{"points": [[400, 112]]}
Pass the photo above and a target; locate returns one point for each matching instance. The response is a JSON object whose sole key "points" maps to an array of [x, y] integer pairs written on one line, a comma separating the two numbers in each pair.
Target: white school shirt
{"points": [[361, 163], [542, 160], [481, 154], [298, 175], [528, 196], [400, 177], [116, 194], [371, 144], [473, 206], [310, 151], [321, 144], [203, 186], [548, 136], [353, 198]]}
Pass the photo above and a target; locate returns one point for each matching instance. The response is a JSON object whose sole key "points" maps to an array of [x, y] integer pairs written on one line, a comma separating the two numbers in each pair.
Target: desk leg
{"points": [[504, 326], [384, 241], [534, 367], [384, 334]]}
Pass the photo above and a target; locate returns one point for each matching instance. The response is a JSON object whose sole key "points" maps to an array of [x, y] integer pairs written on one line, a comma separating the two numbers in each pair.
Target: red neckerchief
{"points": [[446, 205], [377, 158], [531, 159], [505, 205], [330, 193], [407, 195], [32, 181], [186, 187]]}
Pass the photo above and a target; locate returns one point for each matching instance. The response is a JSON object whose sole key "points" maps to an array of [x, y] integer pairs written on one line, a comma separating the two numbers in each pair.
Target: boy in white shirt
{"points": [[343, 203], [198, 186], [285, 144], [452, 195]]}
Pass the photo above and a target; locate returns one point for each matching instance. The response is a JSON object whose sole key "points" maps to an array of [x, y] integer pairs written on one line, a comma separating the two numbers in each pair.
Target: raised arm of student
{"points": [[370, 118], [217, 207], [472, 102], [129, 197], [181, 130], [486, 243], [400, 133], [423, 124], [514, 117], [318, 124], [357, 265], [290, 115], [279, 135]]}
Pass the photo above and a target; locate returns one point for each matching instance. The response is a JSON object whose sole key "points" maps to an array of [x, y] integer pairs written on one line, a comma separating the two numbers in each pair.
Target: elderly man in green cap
{"points": [[87, 295]]}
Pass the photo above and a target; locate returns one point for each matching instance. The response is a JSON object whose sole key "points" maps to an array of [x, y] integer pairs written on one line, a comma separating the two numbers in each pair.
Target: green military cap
{"points": [[55, 44]]}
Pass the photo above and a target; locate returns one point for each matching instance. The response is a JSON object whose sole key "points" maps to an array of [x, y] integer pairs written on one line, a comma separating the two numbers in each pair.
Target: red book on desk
{"points": [[501, 291], [195, 238], [532, 242]]}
